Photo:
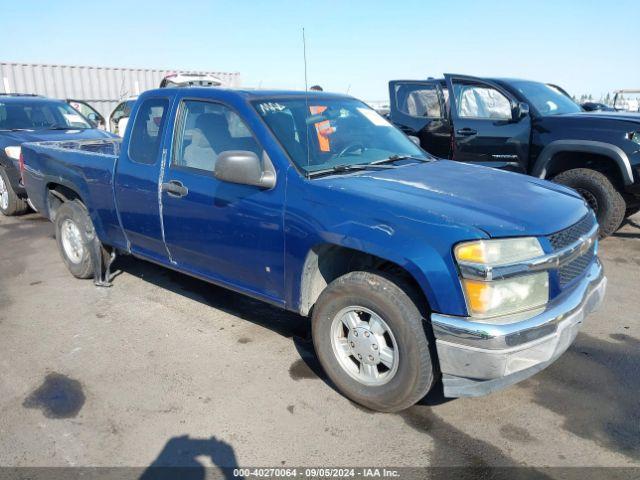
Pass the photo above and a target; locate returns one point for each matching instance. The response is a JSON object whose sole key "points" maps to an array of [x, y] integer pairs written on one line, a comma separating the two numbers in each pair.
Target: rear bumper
{"points": [[477, 359]]}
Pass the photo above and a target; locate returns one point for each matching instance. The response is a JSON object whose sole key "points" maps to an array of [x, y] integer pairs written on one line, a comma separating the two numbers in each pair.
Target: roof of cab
{"points": [[22, 97], [206, 92]]}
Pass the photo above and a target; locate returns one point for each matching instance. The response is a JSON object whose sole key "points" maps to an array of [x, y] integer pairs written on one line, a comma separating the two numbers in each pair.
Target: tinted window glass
{"points": [[39, 115], [148, 126], [481, 101], [418, 100], [206, 130], [547, 100]]}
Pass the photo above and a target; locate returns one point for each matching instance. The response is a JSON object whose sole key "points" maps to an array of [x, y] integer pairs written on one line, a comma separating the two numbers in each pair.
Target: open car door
{"points": [[490, 126], [88, 112], [418, 109]]}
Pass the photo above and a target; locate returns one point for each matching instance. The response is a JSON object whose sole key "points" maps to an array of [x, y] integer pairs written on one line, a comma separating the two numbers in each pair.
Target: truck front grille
{"points": [[567, 273]]}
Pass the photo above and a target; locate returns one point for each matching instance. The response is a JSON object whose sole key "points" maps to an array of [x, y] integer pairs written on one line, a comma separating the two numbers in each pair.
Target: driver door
{"points": [[486, 127], [226, 232]]}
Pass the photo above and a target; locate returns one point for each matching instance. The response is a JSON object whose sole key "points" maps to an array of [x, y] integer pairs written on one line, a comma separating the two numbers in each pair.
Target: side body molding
{"points": [[587, 146]]}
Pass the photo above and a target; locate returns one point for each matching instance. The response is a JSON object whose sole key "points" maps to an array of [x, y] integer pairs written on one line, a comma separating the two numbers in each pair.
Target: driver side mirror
{"points": [[244, 167], [520, 111]]}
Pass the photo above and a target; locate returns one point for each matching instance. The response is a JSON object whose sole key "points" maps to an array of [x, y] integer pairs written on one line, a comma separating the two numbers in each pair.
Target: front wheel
{"points": [[600, 194], [10, 203], [370, 339]]}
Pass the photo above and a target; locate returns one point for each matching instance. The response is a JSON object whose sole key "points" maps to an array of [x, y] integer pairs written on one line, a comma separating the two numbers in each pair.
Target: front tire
{"points": [[600, 194], [10, 203], [74, 235], [370, 339]]}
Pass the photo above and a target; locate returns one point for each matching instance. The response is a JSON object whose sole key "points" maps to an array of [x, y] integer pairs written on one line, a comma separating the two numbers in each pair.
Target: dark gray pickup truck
{"points": [[527, 127]]}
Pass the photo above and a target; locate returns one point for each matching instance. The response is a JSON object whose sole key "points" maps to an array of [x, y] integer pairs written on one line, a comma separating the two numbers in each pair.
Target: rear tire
{"points": [[10, 203], [74, 235], [600, 194], [404, 370]]}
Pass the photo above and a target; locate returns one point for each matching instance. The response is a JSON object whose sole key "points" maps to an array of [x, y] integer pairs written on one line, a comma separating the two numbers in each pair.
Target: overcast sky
{"points": [[584, 46]]}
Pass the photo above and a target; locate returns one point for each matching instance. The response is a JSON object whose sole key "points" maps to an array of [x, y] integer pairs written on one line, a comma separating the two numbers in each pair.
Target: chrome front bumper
{"points": [[479, 358]]}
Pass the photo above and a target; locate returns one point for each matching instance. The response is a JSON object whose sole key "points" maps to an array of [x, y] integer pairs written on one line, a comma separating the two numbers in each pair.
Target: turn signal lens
{"points": [[471, 252]]}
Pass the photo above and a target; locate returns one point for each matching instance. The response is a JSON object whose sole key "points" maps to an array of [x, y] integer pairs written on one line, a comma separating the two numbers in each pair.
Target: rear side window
{"points": [[146, 135], [418, 100]]}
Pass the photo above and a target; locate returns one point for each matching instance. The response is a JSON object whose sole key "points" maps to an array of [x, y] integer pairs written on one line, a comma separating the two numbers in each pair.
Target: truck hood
{"points": [[621, 116], [500, 203]]}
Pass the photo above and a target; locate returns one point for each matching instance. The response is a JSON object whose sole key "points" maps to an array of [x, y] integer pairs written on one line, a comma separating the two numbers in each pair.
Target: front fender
{"points": [[426, 254], [614, 152]]}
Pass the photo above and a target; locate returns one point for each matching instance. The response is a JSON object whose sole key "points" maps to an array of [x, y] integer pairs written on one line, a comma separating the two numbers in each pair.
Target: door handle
{"points": [[466, 132], [175, 188]]}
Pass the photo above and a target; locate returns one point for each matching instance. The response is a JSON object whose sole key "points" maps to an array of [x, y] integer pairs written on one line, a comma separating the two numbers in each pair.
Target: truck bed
{"points": [[83, 166]]}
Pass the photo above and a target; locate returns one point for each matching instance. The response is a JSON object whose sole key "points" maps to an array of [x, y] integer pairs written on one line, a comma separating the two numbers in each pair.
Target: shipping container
{"points": [[102, 87]]}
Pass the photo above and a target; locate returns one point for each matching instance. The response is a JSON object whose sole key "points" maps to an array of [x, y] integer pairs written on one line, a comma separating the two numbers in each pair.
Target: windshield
{"points": [[39, 115], [545, 99], [319, 134]]}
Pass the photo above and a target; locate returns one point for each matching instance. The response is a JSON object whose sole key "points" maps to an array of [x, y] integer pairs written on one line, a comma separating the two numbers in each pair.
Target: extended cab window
{"points": [[206, 129], [418, 100], [481, 101], [148, 126]]}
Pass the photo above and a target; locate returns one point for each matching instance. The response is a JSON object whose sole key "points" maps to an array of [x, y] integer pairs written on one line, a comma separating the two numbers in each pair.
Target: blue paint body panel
{"points": [[256, 241]]}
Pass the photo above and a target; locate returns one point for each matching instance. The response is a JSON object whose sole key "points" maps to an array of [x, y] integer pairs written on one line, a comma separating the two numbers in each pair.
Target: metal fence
{"points": [[102, 87]]}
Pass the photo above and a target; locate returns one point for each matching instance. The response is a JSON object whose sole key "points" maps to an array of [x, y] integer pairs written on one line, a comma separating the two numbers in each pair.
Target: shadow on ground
{"points": [[184, 458], [632, 222]]}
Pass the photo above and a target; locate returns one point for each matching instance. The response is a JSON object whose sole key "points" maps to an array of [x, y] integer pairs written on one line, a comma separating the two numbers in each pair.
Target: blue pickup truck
{"points": [[412, 269]]}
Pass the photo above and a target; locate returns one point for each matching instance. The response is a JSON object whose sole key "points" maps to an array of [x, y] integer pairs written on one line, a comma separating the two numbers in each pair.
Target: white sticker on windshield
{"points": [[374, 117], [73, 118]]}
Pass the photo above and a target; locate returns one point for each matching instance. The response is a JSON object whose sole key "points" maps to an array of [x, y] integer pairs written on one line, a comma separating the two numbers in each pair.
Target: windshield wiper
{"points": [[396, 158], [345, 168], [62, 127], [16, 130]]}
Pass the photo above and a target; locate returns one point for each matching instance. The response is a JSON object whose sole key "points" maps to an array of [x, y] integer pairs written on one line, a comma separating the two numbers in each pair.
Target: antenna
{"points": [[306, 96], [304, 54]]}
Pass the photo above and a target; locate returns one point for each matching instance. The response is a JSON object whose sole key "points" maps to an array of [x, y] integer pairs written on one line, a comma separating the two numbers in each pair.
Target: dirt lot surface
{"points": [[162, 368]]}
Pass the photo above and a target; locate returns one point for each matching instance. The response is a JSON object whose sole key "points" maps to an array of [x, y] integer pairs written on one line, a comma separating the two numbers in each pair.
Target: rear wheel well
{"points": [[325, 263], [563, 161], [58, 194]]}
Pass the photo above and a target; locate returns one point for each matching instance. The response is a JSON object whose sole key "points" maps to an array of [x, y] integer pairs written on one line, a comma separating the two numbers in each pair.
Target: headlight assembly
{"points": [[13, 152], [488, 298]]}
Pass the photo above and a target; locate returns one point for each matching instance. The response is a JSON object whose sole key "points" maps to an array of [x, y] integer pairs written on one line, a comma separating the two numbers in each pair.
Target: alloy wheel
{"points": [[72, 241], [364, 345]]}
